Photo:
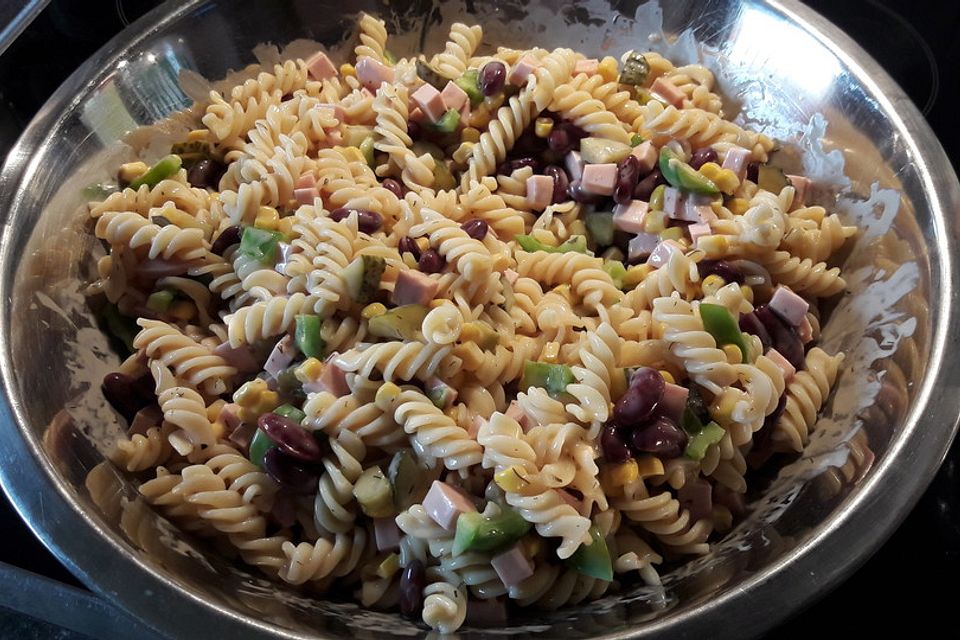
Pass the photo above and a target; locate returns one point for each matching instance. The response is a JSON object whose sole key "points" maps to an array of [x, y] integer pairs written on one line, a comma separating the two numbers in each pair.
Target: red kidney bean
{"points": [[414, 130], [367, 221], [750, 323], [641, 398], [412, 582], [289, 472], [577, 194], [559, 141], [628, 173], [293, 439], [229, 237], [508, 167], [205, 173], [492, 78], [409, 244], [431, 262], [560, 182], [393, 187], [753, 172], [476, 228], [646, 186], [783, 337], [123, 394], [703, 156], [528, 144], [612, 444], [576, 133], [721, 268], [660, 437]]}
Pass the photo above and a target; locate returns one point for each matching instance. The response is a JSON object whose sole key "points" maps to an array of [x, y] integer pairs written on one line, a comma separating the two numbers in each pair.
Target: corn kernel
{"points": [[667, 376], [714, 246], [389, 566], [347, 69], [636, 274], [248, 393], [183, 310], [608, 69], [423, 244], [725, 179], [469, 134], [285, 225], [722, 409], [733, 354], [218, 429], [656, 198], [130, 171], [353, 154], [214, 409], [269, 400], [672, 233], [747, 293], [512, 479], [373, 310], [198, 135], [711, 284], [621, 474], [551, 352], [648, 466], [267, 218], [386, 394], [542, 127], [655, 222], [309, 370], [738, 206]]}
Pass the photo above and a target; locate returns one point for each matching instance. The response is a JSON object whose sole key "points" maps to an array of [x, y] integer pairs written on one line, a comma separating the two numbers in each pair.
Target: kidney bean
{"points": [[367, 221], [412, 582], [476, 229], [293, 439], [393, 187], [431, 261], [628, 173], [783, 337], [229, 237], [289, 472], [750, 323], [560, 182], [205, 173], [612, 444], [702, 157], [409, 244], [510, 166], [123, 394], [660, 437], [492, 78], [641, 398], [559, 141], [414, 130], [577, 194], [646, 186], [721, 268], [576, 133]]}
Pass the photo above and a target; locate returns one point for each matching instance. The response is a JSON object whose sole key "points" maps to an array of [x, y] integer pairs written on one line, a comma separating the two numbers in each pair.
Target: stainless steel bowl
{"points": [[790, 72]]}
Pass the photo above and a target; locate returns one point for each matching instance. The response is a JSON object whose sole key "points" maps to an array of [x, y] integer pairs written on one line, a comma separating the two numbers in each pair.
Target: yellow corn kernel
{"points": [[218, 429], [213, 411], [747, 292], [309, 370], [620, 474], [423, 244], [551, 352], [725, 179], [285, 225], [722, 409], [656, 198], [386, 394], [373, 310], [648, 466], [130, 171], [267, 218], [183, 310], [738, 206], [512, 479], [389, 566], [711, 284], [608, 69], [353, 154], [249, 392], [347, 69], [268, 401], [542, 127], [713, 246], [636, 274], [469, 134], [655, 222], [494, 102], [667, 376], [672, 233], [733, 354], [198, 135]]}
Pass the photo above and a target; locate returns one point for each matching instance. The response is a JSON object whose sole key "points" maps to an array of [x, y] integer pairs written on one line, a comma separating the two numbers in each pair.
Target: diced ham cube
{"points": [[661, 254], [736, 160], [430, 102], [599, 179], [674, 204], [668, 91], [539, 192], [414, 287], [588, 66], [574, 164], [522, 70], [630, 217], [230, 416], [320, 67], [242, 434], [673, 401], [306, 196], [453, 96], [306, 181], [372, 73], [801, 185], [512, 566], [805, 330], [698, 230], [333, 379], [647, 154], [697, 498], [789, 306], [511, 276], [444, 504], [416, 115], [149, 416], [387, 534], [240, 357], [281, 356], [514, 411], [788, 369], [641, 246], [465, 114]]}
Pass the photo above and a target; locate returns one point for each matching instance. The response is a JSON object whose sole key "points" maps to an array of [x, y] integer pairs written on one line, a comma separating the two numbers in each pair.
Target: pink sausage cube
{"points": [[673, 401], [444, 504], [511, 276], [539, 192], [588, 66], [514, 411], [674, 204], [306, 196], [788, 369], [334, 138], [522, 70], [647, 154], [465, 113], [630, 217], [414, 287], [661, 254], [805, 330], [574, 165], [333, 379], [372, 74], [512, 566], [802, 186], [430, 102], [306, 181], [281, 356], [599, 179], [642, 245], [387, 534], [668, 91], [239, 357], [320, 67], [698, 230], [789, 306], [736, 160], [453, 96]]}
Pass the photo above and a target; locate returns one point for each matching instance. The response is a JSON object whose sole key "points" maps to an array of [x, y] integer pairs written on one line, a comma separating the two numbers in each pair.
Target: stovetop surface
{"points": [[918, 45]]}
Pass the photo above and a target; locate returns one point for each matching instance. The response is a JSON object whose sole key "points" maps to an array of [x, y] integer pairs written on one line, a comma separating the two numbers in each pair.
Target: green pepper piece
{"points": [[636, 140], [448, 122], [291, 412], [366, 148], [635, 70], [259, 445], [616, 271], [307, 336], [600, 227], [593, 560], [576, 244], [475, 532], [720, 323], [697, 447], [123, 328], [552, 377], [682, 176], [289, 386], [260, 244], [690, 421], [470, 83], [165, 167], [160, 301]]}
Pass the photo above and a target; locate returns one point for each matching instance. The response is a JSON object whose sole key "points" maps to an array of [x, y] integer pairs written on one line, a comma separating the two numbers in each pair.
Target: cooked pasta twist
{"points": [[585, 274], [192, 362], [696, 349], [806, 394], [461, 44], [133, 230]]}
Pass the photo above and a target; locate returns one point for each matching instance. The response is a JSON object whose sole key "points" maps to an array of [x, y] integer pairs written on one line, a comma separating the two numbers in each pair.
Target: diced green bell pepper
{"points": [[366, 148], [470, 83], [593, 560], [165, 167], [636, 140], [552, 377], [771, 179], [616, 271], [476, 532], [291, 412], [122, 327], [400, 323], [682, 176], [448, 122], [600, 227], [577, 244], [260, 244], [720, 323], [307, 336], [160, 301], [259, 445], [697, 446]]}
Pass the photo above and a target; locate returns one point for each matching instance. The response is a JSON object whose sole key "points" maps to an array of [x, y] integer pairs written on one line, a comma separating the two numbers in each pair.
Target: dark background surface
{"points": [[918, 44]]}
